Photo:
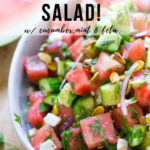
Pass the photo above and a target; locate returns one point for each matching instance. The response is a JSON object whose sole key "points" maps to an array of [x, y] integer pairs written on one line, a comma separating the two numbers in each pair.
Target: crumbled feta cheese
{"points": [[52, 119], [128, 102], [147, 42], [122, 144], [48, 145], [147, 115], [32, 131], [55, 37]]}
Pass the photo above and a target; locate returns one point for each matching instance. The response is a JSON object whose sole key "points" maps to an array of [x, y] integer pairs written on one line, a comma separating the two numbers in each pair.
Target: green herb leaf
{"points": [[1, 139], [101, 133], [134, 115], [18, 119], [95, 127], [64, 50], [128, 64], [67, 134], [44, 107], [132, 109]]}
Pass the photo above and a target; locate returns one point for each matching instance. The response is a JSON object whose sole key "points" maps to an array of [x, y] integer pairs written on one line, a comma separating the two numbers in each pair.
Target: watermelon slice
{"points": [[24, 13], [105, 130]]}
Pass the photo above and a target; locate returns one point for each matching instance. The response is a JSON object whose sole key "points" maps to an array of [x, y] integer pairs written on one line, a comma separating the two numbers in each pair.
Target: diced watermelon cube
{"points": [[106, 64], [36, 95], [34, 116], [35, 69], [106, 126], [54, 48], [42, 134], [142, 92], [79, 46], [79, 80], [73, 142], [131, 120], [65, 112], [136, 52]]}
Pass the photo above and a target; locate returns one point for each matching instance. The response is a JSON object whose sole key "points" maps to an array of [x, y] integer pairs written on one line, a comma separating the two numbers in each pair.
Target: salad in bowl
{"points": [[92, 91]]}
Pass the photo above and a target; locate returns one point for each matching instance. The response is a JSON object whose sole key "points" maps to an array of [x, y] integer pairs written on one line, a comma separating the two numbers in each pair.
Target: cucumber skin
{"points": [[109, 95], [49, 85], [83, 107], [61, 68], [51, 99], [147, 62]]}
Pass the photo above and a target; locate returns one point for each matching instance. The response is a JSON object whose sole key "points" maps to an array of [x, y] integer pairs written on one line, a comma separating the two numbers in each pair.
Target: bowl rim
{"points": [[26, 144]]}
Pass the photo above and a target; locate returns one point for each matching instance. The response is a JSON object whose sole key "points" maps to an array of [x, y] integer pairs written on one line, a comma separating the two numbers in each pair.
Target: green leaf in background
{"points": [[17, 119], [1, 139]]}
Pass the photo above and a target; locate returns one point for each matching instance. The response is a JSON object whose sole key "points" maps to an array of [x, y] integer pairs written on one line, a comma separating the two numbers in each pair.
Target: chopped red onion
{"points": [[67, 124], [56, 59], [124, 87], [127, 47]]}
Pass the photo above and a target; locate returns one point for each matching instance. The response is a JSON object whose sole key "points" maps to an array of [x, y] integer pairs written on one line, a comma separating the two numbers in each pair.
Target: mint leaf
{"points": [[64, 50], [67, 134], [17, 119], [95, 127], [128, 64]]}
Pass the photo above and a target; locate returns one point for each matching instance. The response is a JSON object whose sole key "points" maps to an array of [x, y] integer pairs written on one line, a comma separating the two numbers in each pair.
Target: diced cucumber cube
{"points": [[83, 107], [66, 96], [49, 85], [110, 94], [61, 68], [51, 99], [108, 42]]}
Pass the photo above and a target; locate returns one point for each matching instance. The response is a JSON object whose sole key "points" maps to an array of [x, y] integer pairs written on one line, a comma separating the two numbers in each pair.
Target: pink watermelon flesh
{"points": [[105, 124]]}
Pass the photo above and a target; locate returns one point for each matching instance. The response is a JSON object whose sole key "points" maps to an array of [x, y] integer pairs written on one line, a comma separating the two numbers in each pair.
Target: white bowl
{"points": [[18, 82]]}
